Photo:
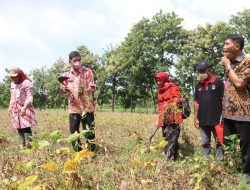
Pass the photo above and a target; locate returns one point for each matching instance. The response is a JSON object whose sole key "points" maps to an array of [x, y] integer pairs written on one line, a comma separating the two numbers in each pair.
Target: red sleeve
{"points": [[173, 92]]}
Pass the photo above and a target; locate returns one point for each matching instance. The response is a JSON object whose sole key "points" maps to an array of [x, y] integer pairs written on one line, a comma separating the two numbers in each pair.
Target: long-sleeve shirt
{"points": [[169, 103], [22, 96], [80, 99]]}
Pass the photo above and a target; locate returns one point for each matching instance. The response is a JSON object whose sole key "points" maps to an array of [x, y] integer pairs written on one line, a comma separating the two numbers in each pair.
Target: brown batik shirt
{"points": [[236, 104]]}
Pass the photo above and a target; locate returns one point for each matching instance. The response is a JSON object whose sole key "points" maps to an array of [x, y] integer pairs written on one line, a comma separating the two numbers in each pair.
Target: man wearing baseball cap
{"points": [[208, 107]]}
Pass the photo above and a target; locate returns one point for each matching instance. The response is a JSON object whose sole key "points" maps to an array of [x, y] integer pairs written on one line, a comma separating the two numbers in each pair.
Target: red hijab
{"points": [[21, 77], [163, 76]]}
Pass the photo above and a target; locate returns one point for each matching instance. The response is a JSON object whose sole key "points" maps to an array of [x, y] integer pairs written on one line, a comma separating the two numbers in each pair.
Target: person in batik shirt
{"points": [[80, 87], [236, 103], [21, 107]]}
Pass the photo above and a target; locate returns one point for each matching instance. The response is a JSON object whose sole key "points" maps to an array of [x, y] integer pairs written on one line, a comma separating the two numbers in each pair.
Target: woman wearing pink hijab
{"points": [[21, 107]]}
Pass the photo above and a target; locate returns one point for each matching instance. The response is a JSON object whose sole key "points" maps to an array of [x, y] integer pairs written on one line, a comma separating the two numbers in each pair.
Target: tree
{"points": [[240, 24], [89, 59], [5, 92], [203, 44], [38, 77], [151, 46], [110, 80], [46, 87], [54, 95]]}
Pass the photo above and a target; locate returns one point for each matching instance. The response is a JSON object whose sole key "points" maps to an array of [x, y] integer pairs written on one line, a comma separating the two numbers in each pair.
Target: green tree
{"points": [[88, 58], [202, 44], [151, 46], [38, 77], [47, 93], [55, 98], [240, 24], [5, 92], [110, 80]]}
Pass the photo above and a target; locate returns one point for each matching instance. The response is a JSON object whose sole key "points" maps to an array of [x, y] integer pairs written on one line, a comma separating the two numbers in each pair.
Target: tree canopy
{"points": [[124, 74]]}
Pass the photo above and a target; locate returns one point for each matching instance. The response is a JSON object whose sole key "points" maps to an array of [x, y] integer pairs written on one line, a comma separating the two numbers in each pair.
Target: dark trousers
{"points": [[25, 130], [74, 124], [242, 128], [171, 134], [25, 135], [205, 132]]}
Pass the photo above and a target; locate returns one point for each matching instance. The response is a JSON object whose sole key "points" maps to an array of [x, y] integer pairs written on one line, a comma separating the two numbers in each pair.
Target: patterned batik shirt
{"points": [[236, 104], [79, 99], [22, 95]]}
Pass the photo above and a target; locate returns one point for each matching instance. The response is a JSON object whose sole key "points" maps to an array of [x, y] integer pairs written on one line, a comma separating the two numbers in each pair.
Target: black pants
{"points": [[25, 130], [171, 134], [25, 135], [74, 124], [243, 129], [205, 132]]}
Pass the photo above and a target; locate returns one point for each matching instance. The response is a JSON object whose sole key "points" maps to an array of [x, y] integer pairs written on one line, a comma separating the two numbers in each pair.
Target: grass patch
{"points": [[123, 160]]}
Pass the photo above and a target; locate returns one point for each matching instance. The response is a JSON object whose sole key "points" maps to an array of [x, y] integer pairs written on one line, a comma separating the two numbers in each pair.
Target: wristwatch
{"points": [[228, 69]]}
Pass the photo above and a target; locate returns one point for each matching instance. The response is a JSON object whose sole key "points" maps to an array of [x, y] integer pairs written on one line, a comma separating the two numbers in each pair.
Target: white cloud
{"points": [[209, 11], [37, 33], [133, 11]]}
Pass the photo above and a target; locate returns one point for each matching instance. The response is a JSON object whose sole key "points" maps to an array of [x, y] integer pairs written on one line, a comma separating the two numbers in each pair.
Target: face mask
{"points": [[203, 76], [76, 65]]}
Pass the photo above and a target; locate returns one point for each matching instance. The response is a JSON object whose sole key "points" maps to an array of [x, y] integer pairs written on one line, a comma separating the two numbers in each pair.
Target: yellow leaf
{"points": [[30, 179], [70, 166], [136, 161], [68, 181], [51, 166], [163, 143], [148, 165], [21, 186], [83, 154], [84, 114], [38, 187], [63, 150], [145, 182]]}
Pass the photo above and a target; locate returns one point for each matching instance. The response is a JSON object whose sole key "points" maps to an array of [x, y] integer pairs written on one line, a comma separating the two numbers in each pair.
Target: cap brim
{"points": [[13, 74], [62, 79], [201, 68]]}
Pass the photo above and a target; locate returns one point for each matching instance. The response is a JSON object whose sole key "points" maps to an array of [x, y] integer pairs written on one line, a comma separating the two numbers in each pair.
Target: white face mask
{"points": [[76, 65], [203, 76]]}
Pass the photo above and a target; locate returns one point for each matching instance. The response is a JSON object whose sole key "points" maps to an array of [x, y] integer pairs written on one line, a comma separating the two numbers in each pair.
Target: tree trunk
{"points": [[153, 98], [113, 93], [131, 104], [113, 102], [146, 105], [193, 86]]}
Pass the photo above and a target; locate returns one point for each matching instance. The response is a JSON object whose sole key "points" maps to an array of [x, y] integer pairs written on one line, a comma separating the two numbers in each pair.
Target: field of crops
{"points": [[123, 160]]}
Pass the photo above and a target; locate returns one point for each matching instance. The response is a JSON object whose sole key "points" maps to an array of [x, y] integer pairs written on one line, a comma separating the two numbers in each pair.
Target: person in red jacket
{"points": [[169, 115]]}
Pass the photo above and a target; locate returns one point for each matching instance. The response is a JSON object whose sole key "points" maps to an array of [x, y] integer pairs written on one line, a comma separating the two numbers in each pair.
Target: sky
{"points": [[37, 33]]}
